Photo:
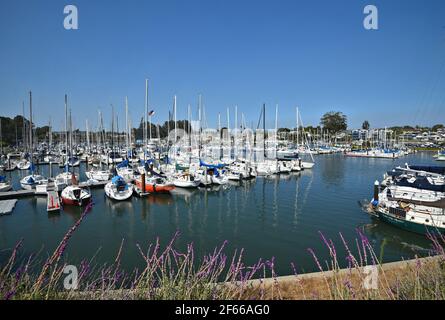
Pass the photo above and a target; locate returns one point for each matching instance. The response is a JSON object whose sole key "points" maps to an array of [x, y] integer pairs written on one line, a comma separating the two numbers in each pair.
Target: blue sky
{"points": [[311, 54]]}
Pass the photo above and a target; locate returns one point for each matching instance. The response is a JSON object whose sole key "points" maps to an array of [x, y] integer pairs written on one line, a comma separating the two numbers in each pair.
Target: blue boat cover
{"points": [[212, 166], [118, 181], [433, 169], [2, 178], [123, 164]]}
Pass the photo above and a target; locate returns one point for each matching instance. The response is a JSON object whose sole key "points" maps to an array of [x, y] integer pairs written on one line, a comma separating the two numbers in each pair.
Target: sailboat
{"points": [[64, 179], [74, 195], [118, 189], [30, 182], [186, 180], [5, 185], [155, 184], [125, 171]]}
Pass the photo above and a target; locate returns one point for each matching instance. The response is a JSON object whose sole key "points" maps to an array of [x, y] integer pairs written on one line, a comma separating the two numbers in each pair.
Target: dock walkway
{"points": [[6, 206]]}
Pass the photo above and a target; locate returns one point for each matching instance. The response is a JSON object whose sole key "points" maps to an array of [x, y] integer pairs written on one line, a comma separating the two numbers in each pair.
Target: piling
{"points": [[143, 182], [86, 163], [50, 169], [376, 191]]}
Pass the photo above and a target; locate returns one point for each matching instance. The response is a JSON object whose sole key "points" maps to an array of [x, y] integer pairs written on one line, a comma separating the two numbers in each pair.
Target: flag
{"points": [[73, 179], [152, 112]]}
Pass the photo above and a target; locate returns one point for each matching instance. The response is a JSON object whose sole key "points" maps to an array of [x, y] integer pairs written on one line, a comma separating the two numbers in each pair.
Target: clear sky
{"points": [[312, 54]]}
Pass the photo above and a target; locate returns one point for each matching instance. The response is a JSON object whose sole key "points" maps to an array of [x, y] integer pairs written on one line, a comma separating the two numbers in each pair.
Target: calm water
{"points": [[276, 217]]}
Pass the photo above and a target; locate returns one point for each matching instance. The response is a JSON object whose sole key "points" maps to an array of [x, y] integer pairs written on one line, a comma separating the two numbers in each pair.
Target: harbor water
{"points": [[278, 217]]}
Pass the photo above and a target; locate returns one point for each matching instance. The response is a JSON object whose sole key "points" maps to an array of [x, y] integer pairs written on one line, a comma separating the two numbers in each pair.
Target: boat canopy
{"points": [[420, 183], [118, 181], [123, 164], [433, 169], [211, 166], [2, 178]]}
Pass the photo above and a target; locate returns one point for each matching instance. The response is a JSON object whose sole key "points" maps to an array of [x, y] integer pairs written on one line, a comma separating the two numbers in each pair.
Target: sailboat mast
{"points": [[264, 130], [229, 140], [298, 130], [66, 125], [30, 124], [200, 125], [174, 115], [276, 129], [126, 123], [88, 134], [146, 112], [1, 138]]}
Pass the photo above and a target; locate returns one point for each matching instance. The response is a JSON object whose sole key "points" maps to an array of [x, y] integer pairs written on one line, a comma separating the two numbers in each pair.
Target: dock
{"points": [[16, 194], [6, 206], [53, 201], [13, 194]]}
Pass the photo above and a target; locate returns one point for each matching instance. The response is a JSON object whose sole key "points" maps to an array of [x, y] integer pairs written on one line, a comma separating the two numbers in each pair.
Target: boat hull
{"points": [[155, 188], [75, 202], [408, 225]]}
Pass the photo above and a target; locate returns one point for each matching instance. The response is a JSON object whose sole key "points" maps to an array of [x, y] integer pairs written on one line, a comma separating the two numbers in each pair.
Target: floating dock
{"points": [[16, 194], [53, 202], [6, 206]]}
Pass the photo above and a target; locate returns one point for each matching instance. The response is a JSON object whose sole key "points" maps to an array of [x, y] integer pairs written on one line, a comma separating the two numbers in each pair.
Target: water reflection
{"points": [[333, 171]]}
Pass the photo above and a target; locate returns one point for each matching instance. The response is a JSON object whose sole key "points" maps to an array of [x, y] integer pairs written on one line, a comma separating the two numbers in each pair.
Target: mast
{"points": [[66, 125], [88, 135], [50, 133], [236, 132], [276, 129], [174, 115], [71, 134], [146, 112], [112, 134], [298, 130], [30, 124], [219, 135], [189, 132], [264, 130], [1, 138], [200, 125], [229, 142], [24, 142], [126, 124]]}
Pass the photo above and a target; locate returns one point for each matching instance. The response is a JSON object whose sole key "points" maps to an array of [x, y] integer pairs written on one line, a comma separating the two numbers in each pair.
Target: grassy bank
{"points": [[170, 274]]}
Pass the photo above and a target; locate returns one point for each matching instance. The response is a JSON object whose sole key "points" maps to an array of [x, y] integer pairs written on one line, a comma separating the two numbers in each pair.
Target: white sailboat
{"points": [[118, 189]]}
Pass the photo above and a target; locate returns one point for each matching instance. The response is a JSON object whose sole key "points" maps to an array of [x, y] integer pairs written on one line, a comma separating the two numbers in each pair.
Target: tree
{"points": [[334, 121], [365, 125], [437, 126]]}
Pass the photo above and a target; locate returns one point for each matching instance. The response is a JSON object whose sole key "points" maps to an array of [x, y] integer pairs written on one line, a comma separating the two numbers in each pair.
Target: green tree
{"points": [[365, 125], [334, 121], [437, 126]]}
